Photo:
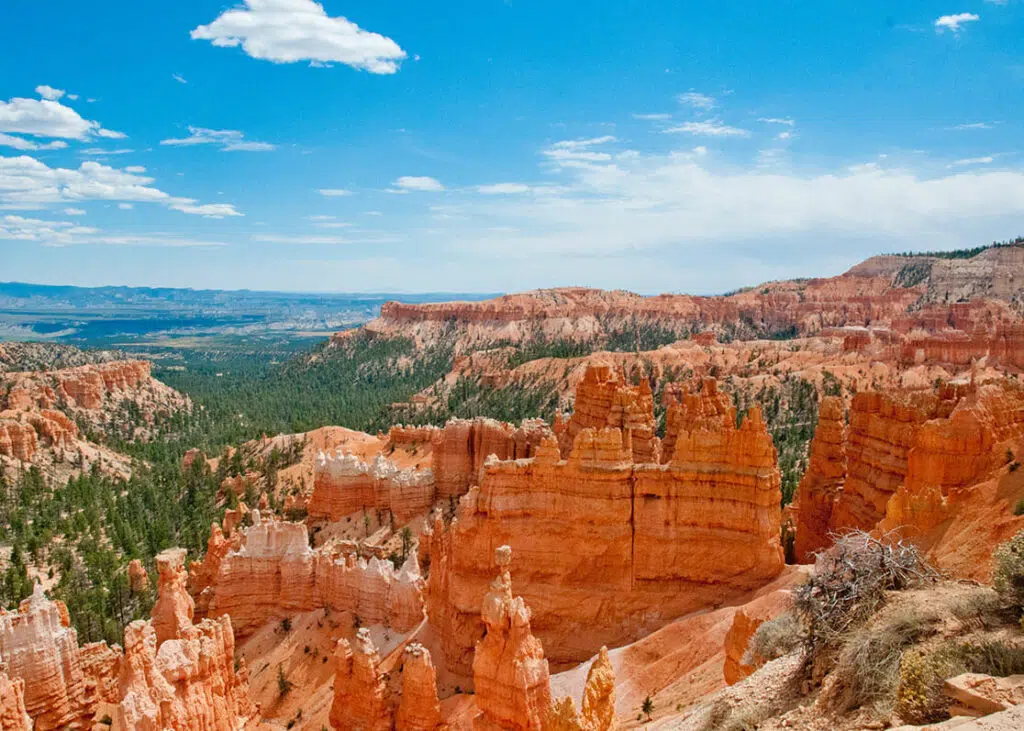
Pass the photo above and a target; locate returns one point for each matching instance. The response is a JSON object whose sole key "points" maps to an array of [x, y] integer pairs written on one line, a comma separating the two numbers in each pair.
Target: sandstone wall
{"points": [[344, 484], [606, 549], [273, 573], [822, 482]]}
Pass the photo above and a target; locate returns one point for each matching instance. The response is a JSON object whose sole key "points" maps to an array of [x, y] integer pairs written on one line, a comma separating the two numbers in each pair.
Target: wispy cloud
{"points": [[419, 183], [711, 128], [229, 140], [179, 78], [778, 120], [969, 161], [971, 126], [334, 192], [660, 117], [503, 189], [697, 100]]}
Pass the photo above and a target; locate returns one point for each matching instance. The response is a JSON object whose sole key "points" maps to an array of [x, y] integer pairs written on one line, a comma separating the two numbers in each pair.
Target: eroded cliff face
{"points": [[176, 674], [822, 482], [39, 646], [922, 465], [39, 409], [510, 674], [272, 573], [607, 549], [344, 484], [13, 716]]}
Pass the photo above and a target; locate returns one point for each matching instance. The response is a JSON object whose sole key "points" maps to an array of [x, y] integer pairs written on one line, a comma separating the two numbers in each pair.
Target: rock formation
{"points": [[607, 549], [510, 674], [419, 709], [13, 716], [598, 701], [174, 608], [271, 572], [176, 674], [138, 579], [39, 646], [604, 400], [743, 628], [822, 482], [360, 694], [344, 484]]}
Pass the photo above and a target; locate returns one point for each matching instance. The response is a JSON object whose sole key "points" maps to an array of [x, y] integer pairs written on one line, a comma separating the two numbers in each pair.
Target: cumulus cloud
{"points": [[18, 228], [48, 92], [286, 31], [712, 128], [954, 22], [229, 140], [334, 192], [420, 183], [697, 101], [27, 183], [47, 118]]}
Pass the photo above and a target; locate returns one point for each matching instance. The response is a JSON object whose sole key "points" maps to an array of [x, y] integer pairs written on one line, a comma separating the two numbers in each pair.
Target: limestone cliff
{"points": [[608, 549], [510, 674]]}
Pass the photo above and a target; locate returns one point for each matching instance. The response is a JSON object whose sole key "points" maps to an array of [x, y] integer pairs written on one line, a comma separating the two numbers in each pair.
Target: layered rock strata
{"points": [[273, 573], [607, 549], [822, 482], [344, 484], [13, 716], [360, 692], [419, 708], [510, 674]]}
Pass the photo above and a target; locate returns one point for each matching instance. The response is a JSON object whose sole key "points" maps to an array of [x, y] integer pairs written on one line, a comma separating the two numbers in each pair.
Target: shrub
{"points": [[1008, 572], [774, 638], [848, 586], [286, 625], [1018, 509], [919, 697], [868, 665], [284, 686]]}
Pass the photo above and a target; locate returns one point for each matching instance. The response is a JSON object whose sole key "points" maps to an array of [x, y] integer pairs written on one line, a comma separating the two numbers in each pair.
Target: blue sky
{"points": [[490, 145]]}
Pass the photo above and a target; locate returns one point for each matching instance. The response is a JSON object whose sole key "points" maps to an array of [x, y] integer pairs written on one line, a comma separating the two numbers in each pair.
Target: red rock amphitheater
{"points": [[561, 575]]}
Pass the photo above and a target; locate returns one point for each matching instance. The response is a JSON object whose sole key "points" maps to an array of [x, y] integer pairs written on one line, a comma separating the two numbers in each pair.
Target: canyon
{"points": [[605, 565]]}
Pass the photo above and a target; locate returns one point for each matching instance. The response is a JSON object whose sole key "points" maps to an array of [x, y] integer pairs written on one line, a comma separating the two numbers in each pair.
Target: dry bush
{"points": [[1008, 572], [867, 668], [980, 609], [849, 585], [774, 638]]}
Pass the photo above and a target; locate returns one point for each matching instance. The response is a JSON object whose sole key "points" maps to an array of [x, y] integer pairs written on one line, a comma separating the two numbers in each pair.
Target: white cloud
{"points": [[782, 136], [179, 78], [712, 128], [229, 140], [503, 189], [74, 212], [374, 213], [697, 101], [421, 183], [321, 218], [968, 161], [971, 126], [20, 143], [953, 22], [286, 31], [653, 117], [46, 118], [135, 169], [334, 192], [100, 152], [778, 120], [27, 183], [66, 233], [48, 92], [125, 206], [569, 153]]}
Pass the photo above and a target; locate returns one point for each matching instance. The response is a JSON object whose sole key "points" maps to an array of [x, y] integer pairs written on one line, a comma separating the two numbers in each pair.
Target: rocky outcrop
{"points": [[598, 701], [419, 709], [271, 572], [39, 646], [138, 579], [607, 549], [822, 482], [603, 399], [13, 716], [360, 693], [174, 608], [176, 674], [462, 447], [510, 674], [17, 440], [743, 628], [344, 484]]}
